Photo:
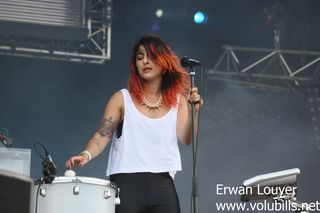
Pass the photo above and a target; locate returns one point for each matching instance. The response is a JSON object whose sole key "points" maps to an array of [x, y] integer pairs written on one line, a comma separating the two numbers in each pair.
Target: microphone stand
{"points": [[195, 193], [49, 169]]}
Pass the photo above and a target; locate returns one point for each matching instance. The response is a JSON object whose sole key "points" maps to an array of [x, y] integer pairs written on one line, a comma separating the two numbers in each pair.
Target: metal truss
{"points": [[94, 48], [269, 67]]}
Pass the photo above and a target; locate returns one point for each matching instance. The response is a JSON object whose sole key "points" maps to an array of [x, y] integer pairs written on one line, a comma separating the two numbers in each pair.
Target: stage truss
{"points": [[263, 67], [88, 41]]}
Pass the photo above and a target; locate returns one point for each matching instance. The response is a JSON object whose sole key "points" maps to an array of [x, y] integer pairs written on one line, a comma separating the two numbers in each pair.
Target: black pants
{"points": [[146, 193]]}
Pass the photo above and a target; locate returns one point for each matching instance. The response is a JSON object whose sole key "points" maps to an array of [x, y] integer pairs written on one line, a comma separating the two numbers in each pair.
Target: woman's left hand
{"points": [[195, 98]]}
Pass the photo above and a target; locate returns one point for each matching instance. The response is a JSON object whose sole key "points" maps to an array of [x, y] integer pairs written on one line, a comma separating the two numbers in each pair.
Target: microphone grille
{"points": [[185, 61]]}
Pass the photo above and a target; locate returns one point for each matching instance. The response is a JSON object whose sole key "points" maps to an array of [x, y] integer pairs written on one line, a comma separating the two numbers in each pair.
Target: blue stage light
{"points": [[200, 17]]}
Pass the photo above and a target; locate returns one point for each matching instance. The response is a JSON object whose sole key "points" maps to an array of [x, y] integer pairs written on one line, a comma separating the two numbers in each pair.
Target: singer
{"points": [[145, 123]]}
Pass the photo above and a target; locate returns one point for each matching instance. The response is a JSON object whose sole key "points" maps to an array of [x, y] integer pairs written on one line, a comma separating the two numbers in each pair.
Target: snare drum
{"points": [[76, 195]]}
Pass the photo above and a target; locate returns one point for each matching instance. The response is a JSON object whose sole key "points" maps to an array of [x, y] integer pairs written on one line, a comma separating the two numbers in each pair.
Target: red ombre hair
{"points": [[175, 79]]}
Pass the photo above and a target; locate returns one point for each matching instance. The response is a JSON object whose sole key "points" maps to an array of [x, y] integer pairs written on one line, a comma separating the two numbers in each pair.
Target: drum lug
{"points": [[117, 199], [107, 194], [76, 190], [43, 191]]}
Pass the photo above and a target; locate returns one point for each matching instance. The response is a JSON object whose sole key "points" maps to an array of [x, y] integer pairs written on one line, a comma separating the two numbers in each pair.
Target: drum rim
{"points": [[81, 179]]}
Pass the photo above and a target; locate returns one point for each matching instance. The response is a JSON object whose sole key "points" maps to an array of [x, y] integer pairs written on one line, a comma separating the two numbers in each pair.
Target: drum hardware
{"points": [[117, 190], [76, 180], [43, 191], [107, 194], [117, 198], [76, 188]]}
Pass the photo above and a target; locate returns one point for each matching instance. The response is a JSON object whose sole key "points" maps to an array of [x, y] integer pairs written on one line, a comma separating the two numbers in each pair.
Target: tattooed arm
{"points": [[102, 136], [112, 115]]}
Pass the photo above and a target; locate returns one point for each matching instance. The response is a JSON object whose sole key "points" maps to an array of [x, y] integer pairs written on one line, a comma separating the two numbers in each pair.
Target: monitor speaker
{"points": [[16, 192]]}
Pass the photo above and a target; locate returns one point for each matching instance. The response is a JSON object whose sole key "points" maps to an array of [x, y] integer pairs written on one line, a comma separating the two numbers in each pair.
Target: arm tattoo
{"points": [[98, 144], [107, 127]]}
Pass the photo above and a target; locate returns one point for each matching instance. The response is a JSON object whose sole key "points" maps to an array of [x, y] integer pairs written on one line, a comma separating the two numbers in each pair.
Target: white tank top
{"points": [[146, 144]]}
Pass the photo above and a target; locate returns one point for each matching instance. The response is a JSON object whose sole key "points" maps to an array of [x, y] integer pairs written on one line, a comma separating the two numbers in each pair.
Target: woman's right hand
{"points": [[77, 161]]}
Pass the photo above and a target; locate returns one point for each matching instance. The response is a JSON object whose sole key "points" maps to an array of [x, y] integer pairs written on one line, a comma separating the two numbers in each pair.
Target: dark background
{"points": [[244, 131]]}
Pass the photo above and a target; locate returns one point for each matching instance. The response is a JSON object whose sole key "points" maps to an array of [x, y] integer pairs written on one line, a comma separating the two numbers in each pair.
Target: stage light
{"points": [[159, 13], [200, 17]]}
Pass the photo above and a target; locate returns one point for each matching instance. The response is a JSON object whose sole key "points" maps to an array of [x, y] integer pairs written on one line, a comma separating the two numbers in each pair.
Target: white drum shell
{"points": [[95, 195]]}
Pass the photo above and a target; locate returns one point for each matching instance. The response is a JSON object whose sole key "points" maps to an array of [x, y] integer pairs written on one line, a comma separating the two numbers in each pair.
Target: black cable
{"points": [[43, 148], [37, 197]]}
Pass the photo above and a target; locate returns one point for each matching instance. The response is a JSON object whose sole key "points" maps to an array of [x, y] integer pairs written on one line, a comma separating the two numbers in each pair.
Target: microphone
{"points": [[189, 62], [50, 166]]}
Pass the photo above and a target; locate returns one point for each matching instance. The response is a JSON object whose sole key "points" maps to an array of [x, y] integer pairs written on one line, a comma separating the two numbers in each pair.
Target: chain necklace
{"points": [[152, 106]]}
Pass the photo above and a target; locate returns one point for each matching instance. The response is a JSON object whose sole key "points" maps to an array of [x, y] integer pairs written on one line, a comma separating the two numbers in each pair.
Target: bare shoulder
{"points": [[117, 97], [115, 105]]}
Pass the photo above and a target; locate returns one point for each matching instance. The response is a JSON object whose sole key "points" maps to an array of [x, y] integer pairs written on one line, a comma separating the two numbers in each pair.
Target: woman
{"points": [[146, 122]]}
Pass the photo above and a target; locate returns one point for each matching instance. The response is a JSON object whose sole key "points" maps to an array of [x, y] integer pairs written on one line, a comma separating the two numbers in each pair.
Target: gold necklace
{"points": [[152, 106]]}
